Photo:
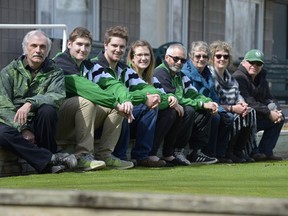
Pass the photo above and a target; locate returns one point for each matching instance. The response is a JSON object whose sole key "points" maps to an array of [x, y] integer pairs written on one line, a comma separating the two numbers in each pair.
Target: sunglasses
{"points": [[199, 56], [176, 59], [257, 63], [219, 56]]}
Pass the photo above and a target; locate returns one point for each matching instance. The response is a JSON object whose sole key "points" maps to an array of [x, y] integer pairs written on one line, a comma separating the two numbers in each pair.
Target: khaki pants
{"points": [[111, 123], [77, 120]]}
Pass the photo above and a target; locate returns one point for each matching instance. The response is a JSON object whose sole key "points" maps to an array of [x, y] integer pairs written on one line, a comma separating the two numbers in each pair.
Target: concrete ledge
{"points": [[42, 202]]}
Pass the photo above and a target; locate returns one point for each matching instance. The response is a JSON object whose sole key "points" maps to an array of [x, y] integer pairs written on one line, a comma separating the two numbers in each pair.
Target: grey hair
{"points": [[171, 48], [33, 33], [199, 46]]}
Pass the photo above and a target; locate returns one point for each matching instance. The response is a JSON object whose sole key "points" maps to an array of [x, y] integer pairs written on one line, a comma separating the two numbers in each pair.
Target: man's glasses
{"points": [[176, 59], [140, 55], [199, 56], [219, 56], [257, 63]]}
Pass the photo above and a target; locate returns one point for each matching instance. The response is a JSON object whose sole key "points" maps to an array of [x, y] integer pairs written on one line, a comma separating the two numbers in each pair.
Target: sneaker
{"points": [[150, 163], [58, 169], [65, 159], [176, 162], [116, 163], [179, 155], [200, 158], [88, 163]]}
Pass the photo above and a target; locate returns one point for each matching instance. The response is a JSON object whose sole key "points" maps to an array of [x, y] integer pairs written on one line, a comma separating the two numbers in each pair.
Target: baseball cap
{"points": [[254, 55]]}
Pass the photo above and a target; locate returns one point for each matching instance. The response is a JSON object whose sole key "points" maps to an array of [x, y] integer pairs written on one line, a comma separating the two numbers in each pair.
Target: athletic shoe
{"points": [[200, 158], [58, 169], [65, 159], [116, 163], [150, 163], [176, 162], [179, 155], [88, 163]]}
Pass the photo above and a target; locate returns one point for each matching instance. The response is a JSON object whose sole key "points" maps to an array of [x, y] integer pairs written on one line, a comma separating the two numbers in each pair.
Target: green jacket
{"points": [[102, 89], [18, 87], [137, 87], [180, 85]]}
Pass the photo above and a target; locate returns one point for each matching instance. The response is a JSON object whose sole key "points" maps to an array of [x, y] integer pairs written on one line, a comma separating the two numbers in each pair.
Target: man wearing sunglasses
{"points": [[255, 89], [196, 122]]}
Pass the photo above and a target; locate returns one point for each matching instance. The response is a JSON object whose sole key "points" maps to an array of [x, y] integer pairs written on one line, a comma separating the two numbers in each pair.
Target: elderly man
{"points": [[31, 91], [255, 90], [196, 122]]}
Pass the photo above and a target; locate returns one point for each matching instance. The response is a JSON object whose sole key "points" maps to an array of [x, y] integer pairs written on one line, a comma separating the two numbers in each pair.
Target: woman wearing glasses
{"points": [[255, 89], [141, 59], [229, 96], [196, 69]]}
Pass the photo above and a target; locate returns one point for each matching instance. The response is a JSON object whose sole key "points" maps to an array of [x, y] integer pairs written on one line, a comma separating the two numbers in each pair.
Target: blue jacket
{"points": [[203, 83]]}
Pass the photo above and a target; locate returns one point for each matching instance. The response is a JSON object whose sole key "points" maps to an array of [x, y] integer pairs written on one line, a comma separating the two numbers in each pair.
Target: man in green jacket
{"points": [[145, 99], [31, 90], [197, 107], [100, 104]]}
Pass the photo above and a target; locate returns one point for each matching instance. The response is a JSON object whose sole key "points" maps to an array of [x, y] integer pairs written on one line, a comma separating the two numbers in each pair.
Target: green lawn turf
{"points": [[266, 179]]}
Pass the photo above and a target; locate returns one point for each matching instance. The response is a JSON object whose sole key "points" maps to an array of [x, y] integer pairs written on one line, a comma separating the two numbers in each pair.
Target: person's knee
{"points": [[47, 110], [86, 104]]}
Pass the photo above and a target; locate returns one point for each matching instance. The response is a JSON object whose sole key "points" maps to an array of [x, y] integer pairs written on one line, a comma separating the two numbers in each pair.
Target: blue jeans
{"points": [[270, 136], [142, 129]]}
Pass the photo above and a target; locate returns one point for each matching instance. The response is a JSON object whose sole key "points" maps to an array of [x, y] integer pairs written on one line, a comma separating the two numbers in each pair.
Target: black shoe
{"points": [[176, 162], [224, 160], [65, 159], [200, 158], [259, 157], [236, 159], [150, 163], [274, 158]]}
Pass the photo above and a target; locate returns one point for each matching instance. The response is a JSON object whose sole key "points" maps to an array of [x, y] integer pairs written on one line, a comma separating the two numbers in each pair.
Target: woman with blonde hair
{"points": [[227, 89]]}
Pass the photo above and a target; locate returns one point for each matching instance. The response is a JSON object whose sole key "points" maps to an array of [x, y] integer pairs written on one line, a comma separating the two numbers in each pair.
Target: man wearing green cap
{"points": [[255, 89]]}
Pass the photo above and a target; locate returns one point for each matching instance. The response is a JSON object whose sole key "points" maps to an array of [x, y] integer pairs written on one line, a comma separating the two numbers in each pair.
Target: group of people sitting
{"points": [[192, 108]]}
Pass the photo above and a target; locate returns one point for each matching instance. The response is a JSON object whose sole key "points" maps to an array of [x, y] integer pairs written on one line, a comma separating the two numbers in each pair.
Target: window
{"points": [[244, 28], [73, 13]]}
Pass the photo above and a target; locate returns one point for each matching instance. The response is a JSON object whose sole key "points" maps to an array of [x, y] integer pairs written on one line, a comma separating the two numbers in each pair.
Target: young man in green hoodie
{"points": [[91, 105]]}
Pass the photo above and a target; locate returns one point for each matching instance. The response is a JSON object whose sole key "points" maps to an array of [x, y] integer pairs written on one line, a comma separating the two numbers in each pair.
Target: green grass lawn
{"points": [[266, 179]]}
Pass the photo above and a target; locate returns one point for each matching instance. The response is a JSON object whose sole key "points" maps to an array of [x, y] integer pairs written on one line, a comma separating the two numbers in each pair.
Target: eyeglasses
{"points": [[219, 56], [140, 55], [176, 59], [199, 56], [257, 63]]}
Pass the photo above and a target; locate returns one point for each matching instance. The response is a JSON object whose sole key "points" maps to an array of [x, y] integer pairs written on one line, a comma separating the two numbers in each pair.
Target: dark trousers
{"points": [[185, 127], [142, 128], [166, 131], [37, 155], [221, 126], [270, 135], [201, 130]]}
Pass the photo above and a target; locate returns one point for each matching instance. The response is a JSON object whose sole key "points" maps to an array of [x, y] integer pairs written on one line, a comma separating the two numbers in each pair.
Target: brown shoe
{"points": [[274, 158], [150, 163], [259, 157]]}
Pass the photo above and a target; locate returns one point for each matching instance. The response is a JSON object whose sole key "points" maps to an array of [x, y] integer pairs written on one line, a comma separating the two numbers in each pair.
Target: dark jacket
{"points": [[255, 92]]}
